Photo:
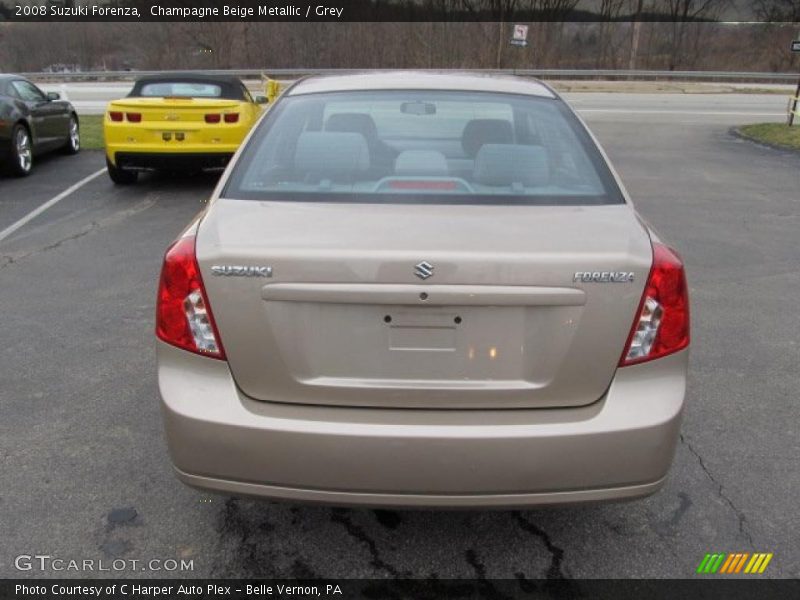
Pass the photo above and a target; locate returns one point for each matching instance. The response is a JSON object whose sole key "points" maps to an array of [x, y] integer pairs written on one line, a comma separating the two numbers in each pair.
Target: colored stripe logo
{"points": [[734, 563]]}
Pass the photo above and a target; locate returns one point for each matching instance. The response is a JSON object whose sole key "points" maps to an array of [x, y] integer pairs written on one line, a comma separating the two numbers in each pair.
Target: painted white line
{"points": [[52, 202], [681, 112]]}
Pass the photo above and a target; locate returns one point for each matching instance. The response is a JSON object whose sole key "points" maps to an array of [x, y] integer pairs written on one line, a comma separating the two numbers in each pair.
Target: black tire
{"points": [[121, 176], [21, 152], [73, 145]]}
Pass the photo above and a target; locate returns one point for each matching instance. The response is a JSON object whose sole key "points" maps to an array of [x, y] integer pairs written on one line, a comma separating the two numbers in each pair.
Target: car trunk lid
{"points": [[158, 111], [345, 318], [178, 124]]}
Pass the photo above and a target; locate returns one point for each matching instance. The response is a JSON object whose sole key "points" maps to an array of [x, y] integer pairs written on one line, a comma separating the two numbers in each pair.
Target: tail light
{"points": [[212, 118], [134, 117], [232, 118], [183, 314], [662, 322], [115, 115]]}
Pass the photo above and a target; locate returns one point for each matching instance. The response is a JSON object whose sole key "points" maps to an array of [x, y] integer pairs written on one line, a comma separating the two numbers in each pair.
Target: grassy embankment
{"points": [[91, 132], [773, 134]]}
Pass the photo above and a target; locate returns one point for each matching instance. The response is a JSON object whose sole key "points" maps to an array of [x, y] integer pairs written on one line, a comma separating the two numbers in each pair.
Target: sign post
{"points": [[519, 37], [795, 48]]}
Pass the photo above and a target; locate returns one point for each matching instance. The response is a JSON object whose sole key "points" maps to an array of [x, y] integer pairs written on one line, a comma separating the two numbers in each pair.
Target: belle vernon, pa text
{"points": [[168, 591]]}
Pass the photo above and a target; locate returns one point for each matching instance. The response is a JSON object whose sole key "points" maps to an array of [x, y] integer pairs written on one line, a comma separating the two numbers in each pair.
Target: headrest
{"points": [[507, 164], [353, 123], [485, 131], [332, 155], [421, 162]]}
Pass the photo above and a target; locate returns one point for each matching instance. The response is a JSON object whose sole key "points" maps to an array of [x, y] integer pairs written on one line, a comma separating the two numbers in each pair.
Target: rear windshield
{"points": [[186, 89], [422, 147]]}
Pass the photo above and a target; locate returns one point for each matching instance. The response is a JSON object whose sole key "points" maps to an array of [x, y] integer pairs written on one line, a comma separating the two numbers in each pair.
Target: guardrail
{"points": [[603, 74]]}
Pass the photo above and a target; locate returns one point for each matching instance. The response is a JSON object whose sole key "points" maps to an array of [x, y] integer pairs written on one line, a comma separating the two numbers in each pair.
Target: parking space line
{"points": [[52, 202]]}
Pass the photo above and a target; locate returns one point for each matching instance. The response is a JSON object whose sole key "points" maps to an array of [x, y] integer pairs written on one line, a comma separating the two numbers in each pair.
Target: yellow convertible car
{"points": [[182, 121]]}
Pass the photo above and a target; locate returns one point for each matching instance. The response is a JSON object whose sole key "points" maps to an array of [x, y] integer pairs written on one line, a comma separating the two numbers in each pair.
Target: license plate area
{"points": [[174, 136], [422, 330], [395, 344]]}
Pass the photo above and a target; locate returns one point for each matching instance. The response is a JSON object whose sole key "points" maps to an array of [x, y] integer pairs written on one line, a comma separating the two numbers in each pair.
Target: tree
{"points": [[610, 10], [780, 18], [777, 11], [683, 16]]}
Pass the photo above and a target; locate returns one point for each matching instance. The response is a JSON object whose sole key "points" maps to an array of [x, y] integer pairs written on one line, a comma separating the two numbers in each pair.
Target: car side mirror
{"points": [[53, 96], [262, 100]]}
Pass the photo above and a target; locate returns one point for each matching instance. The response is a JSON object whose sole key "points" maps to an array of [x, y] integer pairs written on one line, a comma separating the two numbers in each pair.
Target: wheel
{"points": [[73, 144], [121, 176], [21, 161]]}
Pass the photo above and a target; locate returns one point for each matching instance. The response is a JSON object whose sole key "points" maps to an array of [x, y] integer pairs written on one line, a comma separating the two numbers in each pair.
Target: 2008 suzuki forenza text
{"points": [[422, 289]]}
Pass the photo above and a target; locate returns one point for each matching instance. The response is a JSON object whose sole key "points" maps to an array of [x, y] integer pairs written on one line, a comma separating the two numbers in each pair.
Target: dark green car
{"points": [[31, 123]]}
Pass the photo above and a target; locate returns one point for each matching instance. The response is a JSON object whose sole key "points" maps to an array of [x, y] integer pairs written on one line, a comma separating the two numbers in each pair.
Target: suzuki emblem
{"points": [[423, 270]]}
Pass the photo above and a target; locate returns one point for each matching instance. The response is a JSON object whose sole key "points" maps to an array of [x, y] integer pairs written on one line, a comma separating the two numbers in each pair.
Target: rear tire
{"points": [[21, 151], [73, 145], [121, 176]]}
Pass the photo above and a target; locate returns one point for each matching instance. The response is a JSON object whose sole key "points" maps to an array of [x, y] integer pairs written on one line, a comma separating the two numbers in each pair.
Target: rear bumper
{"points": [[395, 500], [617, 448], [148, 161]]}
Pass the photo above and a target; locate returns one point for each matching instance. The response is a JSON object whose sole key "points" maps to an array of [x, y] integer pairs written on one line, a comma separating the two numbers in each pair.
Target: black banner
{"points": [[398, 589], [773, 11]]}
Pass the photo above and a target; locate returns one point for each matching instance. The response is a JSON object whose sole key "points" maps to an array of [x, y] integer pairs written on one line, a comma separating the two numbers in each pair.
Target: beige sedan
{"points": [[422, 289]]}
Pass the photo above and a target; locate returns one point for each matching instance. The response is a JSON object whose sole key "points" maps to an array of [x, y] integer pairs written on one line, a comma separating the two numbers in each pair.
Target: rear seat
{"points": [[341, 157], [382, 157], [511, 165], [478, 132], [423, 163]]}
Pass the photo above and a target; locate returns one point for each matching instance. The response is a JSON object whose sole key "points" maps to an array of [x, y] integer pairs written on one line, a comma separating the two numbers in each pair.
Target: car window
{"points": [[164, 89], [10, 91], [399, 119], [27, 91], [422, 146]]}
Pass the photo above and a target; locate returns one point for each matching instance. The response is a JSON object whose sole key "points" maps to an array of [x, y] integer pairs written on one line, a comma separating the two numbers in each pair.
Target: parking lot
{"points": [[85, 471]]}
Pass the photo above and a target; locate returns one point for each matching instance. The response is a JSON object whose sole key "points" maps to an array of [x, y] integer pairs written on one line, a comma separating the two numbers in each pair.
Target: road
{"points": [[91, 98], [85, 473], [680, 108]]}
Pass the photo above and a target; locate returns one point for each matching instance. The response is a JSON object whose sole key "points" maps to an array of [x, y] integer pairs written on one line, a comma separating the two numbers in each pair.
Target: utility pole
{"points": [[793, 110], [637, 24]]}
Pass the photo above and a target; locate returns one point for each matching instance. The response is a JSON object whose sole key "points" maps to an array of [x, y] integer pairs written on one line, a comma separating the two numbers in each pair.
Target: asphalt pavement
{"points": [[85, 472]]}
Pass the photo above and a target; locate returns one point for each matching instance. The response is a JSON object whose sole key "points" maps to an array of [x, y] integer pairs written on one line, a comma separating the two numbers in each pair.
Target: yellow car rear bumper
{"points": [[158, 160]]}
